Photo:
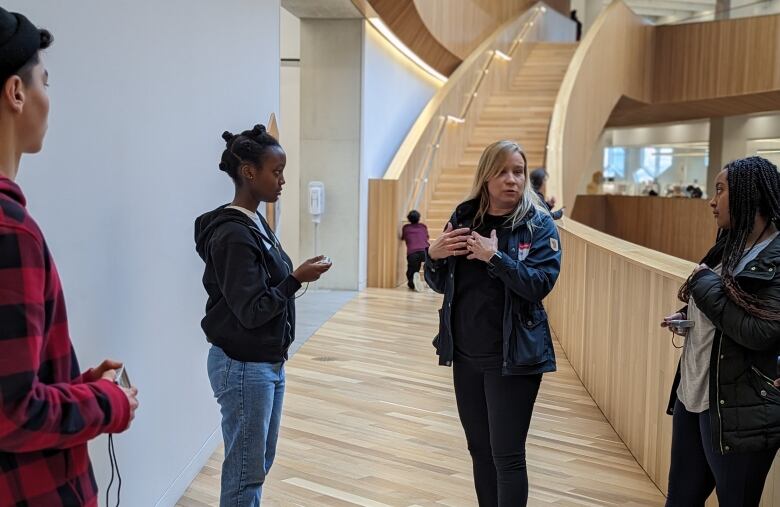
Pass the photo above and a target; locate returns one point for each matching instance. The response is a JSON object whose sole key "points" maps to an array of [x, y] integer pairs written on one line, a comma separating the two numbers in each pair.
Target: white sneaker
{"points": [[418, 284]]}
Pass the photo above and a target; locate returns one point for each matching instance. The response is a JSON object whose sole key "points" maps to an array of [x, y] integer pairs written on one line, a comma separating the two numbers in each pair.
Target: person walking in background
{"points": [[48, 409], [250, 313], [538, 179], [498, 258], [415, 235], [724, 402]]}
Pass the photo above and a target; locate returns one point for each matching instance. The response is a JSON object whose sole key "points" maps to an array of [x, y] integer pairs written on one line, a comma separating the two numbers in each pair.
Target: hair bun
{"points": [[227, 136], [224, 167], [258, 130]]}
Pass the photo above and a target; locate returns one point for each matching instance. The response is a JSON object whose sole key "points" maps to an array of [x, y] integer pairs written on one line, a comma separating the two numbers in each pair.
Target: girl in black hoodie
{"points": [[250, 313]]}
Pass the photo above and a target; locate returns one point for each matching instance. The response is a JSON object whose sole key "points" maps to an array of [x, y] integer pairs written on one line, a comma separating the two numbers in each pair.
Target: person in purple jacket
{"points": [[415, 235]]}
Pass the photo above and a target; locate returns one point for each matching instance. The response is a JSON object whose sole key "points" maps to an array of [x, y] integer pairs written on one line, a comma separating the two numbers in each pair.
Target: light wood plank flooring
{"points": [[370, 420]]}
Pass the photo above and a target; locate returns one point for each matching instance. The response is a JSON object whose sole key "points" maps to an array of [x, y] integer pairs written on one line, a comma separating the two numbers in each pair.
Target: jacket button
{"points": [[727, 448], [722, 402], [771, 269], [722, 356], [753, 268], [763, 393], [530, 323], [452, 275]]}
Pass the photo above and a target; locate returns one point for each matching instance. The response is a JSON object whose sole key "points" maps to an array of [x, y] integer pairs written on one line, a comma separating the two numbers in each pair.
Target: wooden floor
{"points": [[370, 420]]}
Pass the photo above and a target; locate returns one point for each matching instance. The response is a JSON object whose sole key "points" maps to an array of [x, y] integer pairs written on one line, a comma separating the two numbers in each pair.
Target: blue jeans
{"points": [[698, 468], [250, 397]]}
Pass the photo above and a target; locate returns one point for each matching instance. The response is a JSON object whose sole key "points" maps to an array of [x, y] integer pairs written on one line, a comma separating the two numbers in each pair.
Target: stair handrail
{"points": [[496, 54], [417, 156]]}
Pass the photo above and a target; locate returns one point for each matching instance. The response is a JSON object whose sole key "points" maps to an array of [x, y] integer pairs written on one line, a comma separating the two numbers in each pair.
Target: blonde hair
{"points": [[491, 164]]}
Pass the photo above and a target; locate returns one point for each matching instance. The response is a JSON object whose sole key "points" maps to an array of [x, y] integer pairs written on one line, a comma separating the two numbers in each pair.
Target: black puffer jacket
{"points": [[744, 404]]}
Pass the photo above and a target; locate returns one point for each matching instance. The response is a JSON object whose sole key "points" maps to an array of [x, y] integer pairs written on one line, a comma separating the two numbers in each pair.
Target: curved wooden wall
{"points": [[605, 311], [461, 25], [683, 228], [612, 61], [402, 18], [612, 294]]}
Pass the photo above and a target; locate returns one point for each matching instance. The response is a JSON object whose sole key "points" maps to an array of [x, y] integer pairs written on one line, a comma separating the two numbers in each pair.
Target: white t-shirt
{"points": [[256, 219]]}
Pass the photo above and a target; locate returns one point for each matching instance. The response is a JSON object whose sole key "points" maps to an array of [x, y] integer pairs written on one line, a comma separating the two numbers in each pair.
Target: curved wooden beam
{"points": [[403, 19], [461, 25]]}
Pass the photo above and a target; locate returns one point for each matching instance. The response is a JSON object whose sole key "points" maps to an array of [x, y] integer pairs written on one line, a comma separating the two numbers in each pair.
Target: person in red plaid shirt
{"points": [[48, 409]]}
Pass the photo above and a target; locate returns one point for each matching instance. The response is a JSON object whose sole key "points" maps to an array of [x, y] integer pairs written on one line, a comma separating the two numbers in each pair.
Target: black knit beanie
{"points": [[20, 40]]}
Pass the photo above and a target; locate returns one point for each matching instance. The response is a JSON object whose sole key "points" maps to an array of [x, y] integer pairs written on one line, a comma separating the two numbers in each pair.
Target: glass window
{"points": [[614, 162], [655, 162]]}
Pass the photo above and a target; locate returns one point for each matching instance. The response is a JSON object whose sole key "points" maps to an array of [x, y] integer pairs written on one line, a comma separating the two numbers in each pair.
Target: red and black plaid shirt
{"points": [[48, 411]]}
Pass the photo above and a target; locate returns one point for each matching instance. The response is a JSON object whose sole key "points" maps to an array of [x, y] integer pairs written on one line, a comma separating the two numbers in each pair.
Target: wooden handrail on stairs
{"points": [[439, 136]]}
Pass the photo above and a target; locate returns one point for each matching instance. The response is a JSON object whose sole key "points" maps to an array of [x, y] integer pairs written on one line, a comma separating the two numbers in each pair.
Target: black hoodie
{"points": [[250, 313]]}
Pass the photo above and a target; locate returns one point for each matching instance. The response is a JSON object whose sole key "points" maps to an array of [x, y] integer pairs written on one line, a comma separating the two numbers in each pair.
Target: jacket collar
{"points": [[766, 263], [466, 212], [10, 190]]}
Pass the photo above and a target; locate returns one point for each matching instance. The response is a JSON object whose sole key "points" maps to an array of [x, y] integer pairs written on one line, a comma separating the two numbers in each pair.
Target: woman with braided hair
{"points": [[250, 313], [726, 409]]}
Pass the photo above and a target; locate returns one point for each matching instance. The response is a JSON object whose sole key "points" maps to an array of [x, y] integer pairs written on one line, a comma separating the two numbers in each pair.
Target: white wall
{"points": [[141, 92], [555, 27], [395, 91], [739, 131], [672, 133]]}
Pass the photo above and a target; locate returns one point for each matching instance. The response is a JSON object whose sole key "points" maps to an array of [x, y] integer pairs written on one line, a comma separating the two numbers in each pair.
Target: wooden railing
{"points": [[439, 137], [612, 295]]}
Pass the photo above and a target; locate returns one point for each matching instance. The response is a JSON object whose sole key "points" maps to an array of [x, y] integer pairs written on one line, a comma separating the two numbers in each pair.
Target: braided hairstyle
{"points": [[248, 147], [754, 187]]}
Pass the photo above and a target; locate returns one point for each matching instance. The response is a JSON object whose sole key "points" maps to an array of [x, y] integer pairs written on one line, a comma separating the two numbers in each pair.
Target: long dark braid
{"points": [[754, 187]]}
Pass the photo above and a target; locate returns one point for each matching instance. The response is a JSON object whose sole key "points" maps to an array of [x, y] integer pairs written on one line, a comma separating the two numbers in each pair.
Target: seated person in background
{"points": [[538, 178], [415, 235], [594, 187]]}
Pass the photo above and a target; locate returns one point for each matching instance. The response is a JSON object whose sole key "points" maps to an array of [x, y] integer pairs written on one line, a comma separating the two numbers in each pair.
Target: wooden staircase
{"points": [[522, 114]]}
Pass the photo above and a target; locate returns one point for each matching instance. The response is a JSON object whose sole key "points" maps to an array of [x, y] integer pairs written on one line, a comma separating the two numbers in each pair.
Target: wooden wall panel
{"points": [[606, 310], [383, 246], [704, 70], [404, 21], [682, 228], [716, 59], [462, 25]]}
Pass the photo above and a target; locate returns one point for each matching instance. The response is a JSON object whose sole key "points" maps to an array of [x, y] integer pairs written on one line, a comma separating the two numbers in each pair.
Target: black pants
{"points": [[495, 411], [413, 263], [698, 468]]}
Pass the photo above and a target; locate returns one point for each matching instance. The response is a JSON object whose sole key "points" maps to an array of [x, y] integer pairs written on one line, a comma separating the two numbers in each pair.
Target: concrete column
{"points": [[331, 66], [715, 153], [722, 8]]}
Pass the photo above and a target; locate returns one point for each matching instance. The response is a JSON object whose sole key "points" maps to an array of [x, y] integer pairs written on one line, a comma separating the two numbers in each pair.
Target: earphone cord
{"points": [[114, 466]]}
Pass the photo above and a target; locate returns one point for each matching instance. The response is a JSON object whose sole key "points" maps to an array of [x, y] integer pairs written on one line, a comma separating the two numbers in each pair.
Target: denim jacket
{"points": [[529, 268]]}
